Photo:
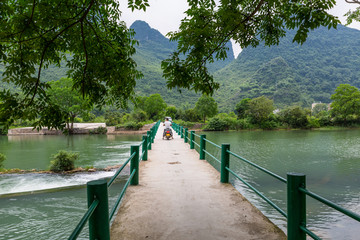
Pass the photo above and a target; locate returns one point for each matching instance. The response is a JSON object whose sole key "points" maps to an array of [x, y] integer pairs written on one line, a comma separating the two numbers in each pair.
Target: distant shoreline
{"points": [[79, 128]]}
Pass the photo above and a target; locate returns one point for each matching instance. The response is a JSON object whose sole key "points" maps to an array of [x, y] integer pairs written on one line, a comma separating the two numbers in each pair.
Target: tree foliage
{"points": [[346, 101], [206, 107], [209, 25], [171, 111], [69, 101], [242, 107], [260, 108], [155, 106], [86, 36], [318, 108], [353, 15], [294, 117]]}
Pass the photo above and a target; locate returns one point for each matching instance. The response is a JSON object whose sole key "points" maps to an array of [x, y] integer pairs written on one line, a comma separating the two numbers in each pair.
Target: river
{"points": [[330, 160]]}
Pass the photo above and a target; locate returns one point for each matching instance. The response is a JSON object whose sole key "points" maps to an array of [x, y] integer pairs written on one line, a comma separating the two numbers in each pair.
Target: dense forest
{"points": [[294, 74]]}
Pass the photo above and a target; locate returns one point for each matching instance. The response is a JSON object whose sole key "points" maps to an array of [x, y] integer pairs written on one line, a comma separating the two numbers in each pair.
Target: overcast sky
{"points": [[165, 15]]}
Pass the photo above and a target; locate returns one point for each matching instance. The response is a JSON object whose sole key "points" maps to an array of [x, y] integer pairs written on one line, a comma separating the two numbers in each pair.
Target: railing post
{"points": [[202, 146], [99, 227], [144, 147], [152, 134], [181, 132], [192, 136], [296, 206], [225, 159], [186, 136], [134, 164], [149, 139]]}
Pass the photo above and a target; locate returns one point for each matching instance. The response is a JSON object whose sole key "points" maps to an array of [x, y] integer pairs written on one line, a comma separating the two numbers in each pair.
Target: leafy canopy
{"points": [[259, 109], [85, 35], [346, 101], [155, 106], [206, 107], [69, 101], [353, 15]]}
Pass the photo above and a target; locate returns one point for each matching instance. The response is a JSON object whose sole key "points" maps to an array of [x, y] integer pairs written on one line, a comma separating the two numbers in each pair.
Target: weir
{"points": [[175, 194]]}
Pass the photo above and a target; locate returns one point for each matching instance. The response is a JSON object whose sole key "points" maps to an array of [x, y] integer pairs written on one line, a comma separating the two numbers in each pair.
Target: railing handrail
{"points": [[258, 167], [148, 139], [119, 170], [84, 219], [207, 140], [345, 211]]}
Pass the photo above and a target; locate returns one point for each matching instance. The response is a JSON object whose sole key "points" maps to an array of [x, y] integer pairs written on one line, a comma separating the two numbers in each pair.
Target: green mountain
{"points": [[293, 74], [152, 49], [287, 73]]}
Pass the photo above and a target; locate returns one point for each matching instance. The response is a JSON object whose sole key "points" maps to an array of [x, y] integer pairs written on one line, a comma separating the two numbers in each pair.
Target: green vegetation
{"points": [[99, 130], [63, 161], [256, 113], [86, 36], [95, 46], [154, 106], [346, 103], [2, 159], [70, 102], [209, 25], [206, 107]]}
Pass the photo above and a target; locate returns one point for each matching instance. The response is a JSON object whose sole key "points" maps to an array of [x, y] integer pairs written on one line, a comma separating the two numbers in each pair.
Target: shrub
{"points": [[268, 125], [216, 124], [294, 117], [78, 120], [243, 124], [63, 161], [2, 159], [184, 123], [139, 116], [130, 125], [325, 121], [313, 122], [99, 130]]}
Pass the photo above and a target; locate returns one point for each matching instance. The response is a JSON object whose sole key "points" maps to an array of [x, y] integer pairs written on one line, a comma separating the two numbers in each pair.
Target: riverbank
{"points": [[79, 128]]}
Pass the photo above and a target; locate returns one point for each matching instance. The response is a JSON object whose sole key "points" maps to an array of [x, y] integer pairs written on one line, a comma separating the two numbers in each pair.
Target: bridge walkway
{"points": [[181, 197]]}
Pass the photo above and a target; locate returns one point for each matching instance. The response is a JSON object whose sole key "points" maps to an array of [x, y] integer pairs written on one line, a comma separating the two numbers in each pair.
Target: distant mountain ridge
{"points": [[288, 73], [307, 73]]}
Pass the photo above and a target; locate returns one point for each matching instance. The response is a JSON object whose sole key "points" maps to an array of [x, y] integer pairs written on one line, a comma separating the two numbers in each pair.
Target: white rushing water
{"points": [[17, 183]]}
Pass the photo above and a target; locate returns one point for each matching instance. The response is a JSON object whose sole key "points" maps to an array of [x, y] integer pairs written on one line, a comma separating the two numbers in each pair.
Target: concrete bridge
{"points": [[181, 197]]}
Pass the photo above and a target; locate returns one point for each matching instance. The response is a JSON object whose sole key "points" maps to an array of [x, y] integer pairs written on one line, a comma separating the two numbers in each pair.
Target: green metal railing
{"points": [[97, 192], [296, 186]]}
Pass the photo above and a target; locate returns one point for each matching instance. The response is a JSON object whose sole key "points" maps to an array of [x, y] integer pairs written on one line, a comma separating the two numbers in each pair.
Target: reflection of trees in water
{"points": [[70, 141]]}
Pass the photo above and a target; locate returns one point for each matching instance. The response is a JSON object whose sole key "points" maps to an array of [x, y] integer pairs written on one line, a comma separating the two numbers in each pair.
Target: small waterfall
{"points": [[17, 183]]}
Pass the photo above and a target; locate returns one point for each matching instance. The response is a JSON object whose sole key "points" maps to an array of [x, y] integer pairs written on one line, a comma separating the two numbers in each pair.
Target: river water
{"points": [[330, 160], [49, 206]]}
